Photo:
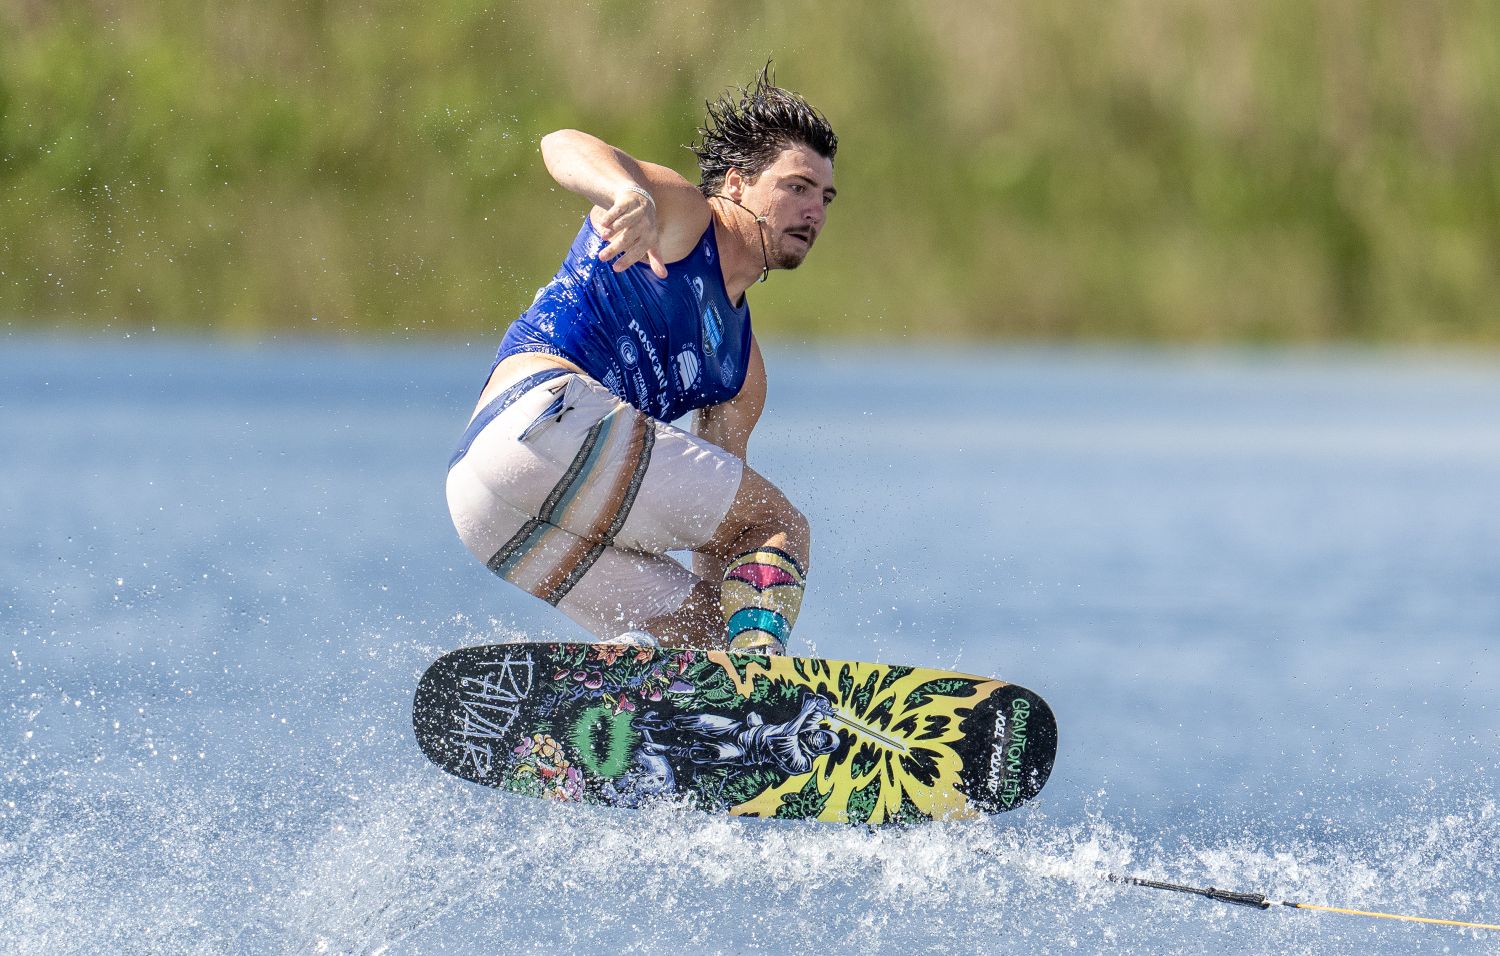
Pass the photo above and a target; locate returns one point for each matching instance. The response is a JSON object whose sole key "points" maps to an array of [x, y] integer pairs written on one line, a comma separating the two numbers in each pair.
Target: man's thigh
{"points": [[624, 478]]}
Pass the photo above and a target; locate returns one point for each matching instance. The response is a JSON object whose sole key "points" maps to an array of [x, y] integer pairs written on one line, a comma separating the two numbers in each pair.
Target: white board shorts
{"points": [[575, 497]]}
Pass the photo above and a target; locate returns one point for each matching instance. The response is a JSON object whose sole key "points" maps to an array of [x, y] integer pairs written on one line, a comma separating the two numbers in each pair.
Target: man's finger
{"points": [[611, 218], [629, 256], [657, 266], [621, 243]]}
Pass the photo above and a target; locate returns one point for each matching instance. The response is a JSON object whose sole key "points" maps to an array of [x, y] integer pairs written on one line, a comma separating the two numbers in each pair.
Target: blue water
{"points": [[1260, 590]]}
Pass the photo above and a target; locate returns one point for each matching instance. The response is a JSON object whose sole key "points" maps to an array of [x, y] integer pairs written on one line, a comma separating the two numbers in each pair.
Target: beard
{"points": [[786, 252]]}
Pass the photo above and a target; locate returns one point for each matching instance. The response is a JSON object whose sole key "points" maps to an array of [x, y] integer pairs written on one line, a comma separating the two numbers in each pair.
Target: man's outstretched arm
{"points": [[645, 212]]}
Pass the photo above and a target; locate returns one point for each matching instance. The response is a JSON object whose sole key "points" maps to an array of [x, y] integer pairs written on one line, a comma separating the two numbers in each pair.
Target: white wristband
{"points": [[641, 191]]}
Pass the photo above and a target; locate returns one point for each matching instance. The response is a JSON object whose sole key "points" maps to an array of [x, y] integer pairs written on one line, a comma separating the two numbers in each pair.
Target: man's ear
{"points": [[735, 182]]}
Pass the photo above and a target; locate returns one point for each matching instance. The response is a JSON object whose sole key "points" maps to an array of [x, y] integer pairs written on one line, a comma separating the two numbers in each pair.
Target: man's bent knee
{"points": [[760, 511]]}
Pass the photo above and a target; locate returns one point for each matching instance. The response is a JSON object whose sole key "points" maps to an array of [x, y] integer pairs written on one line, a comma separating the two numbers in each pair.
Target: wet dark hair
{"points": [[747, 129]]}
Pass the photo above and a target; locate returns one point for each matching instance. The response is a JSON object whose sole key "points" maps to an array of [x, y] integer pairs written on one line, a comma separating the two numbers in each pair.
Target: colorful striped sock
{"points": [[760, 598]]}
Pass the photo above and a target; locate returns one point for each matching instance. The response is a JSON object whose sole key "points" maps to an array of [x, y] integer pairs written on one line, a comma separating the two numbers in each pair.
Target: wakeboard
{"points": [[787, 737]]}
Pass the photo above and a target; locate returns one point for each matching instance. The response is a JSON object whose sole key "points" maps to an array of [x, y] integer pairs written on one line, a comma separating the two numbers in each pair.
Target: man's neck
{"points": [[741, 247]]}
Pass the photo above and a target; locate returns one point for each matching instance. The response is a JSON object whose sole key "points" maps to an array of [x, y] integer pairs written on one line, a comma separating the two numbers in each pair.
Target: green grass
{"points": [[1183, 170]]}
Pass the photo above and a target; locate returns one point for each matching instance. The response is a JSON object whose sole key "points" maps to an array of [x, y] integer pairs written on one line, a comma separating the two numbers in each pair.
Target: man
{"points": [[569, 481]]}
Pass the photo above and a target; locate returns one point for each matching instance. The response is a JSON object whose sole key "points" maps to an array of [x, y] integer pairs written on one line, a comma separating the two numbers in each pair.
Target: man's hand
{"points": [[631, 233], [644, 212]]}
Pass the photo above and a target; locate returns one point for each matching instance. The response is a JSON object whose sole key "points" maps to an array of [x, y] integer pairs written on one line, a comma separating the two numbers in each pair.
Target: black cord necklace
{"points": [[760, 228]]}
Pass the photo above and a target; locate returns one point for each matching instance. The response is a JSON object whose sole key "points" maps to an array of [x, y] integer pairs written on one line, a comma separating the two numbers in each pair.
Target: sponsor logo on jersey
{"points": [[611, 381], [658, 370], [713, 330], [627, 351], [687, 368], [698, 287]]}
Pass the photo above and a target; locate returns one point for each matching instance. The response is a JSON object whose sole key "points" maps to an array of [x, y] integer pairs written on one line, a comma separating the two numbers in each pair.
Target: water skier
{"points": [[569, 482]]}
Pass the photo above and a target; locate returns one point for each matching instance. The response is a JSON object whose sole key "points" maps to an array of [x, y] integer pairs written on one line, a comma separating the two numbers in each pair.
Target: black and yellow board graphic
{"points": [[786, 737]]}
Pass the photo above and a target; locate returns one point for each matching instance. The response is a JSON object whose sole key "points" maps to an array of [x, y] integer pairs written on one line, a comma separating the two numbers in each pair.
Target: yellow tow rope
{"points": [[1409, 919]]}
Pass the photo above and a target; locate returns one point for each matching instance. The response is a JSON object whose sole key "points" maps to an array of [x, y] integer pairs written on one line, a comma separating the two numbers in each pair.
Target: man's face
{"points": [[793, 193]]}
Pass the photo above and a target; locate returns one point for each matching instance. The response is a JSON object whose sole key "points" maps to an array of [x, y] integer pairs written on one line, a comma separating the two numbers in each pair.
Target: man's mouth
{"points": [[805, 235]]}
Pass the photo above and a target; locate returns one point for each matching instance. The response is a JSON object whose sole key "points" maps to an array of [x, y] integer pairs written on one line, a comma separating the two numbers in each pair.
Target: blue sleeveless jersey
{"points": [[667, 346]]}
